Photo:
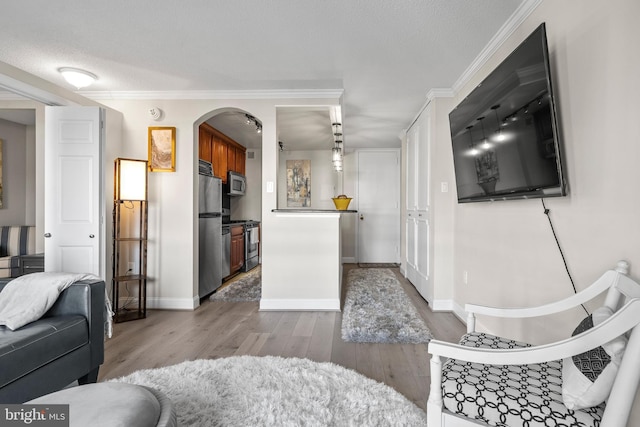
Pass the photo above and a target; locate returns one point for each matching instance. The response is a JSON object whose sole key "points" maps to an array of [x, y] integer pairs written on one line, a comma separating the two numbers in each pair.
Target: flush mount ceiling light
{"points": [[77, 77]]}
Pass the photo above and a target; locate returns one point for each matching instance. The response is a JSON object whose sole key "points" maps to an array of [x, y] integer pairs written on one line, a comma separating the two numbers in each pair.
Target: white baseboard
{"points": [[299, 304], [442, 305], [173, 303], [458, 310], [349, 260]]}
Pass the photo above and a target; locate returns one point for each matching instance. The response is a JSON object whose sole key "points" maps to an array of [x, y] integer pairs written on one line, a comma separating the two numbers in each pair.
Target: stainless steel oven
{"points": [[251, 244]]}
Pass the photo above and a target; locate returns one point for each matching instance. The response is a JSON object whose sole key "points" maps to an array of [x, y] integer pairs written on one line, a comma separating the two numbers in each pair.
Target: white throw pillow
{"points": [[587, 378]]}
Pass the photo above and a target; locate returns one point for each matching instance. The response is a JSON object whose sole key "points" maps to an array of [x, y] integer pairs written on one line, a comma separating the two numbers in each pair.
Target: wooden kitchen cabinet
{"points": [[237, 248], [220, 165], [224, 153], [205, 148]]}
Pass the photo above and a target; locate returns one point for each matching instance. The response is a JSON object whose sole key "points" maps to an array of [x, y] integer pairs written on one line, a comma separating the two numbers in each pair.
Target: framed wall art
{"points": [[162, 149], [299, 183]]}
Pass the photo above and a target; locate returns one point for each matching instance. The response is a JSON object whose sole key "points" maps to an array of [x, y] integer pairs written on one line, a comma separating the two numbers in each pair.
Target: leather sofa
{"points": [[65, 345]]}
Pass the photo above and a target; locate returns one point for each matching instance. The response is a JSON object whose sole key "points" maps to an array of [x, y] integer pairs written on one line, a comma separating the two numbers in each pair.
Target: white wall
{"points": [[15, 174], [507, 248], [173, 247]]}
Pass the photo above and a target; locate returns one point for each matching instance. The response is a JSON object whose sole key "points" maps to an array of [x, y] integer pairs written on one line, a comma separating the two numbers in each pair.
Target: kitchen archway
{"points": [[230, 140]]}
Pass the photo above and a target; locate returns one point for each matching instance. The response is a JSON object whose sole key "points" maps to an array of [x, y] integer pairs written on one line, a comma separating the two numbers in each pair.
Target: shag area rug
{"points": [[376, 309], [274, 391], [247, 288]]}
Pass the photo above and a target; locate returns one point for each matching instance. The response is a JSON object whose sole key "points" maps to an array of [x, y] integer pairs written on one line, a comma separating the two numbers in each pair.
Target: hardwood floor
{"points": [[221, 329]]}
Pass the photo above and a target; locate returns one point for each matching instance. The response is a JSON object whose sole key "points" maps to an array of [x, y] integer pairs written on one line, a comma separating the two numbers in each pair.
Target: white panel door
{"points": [[413, 139], [378, 199], [74, 202]]}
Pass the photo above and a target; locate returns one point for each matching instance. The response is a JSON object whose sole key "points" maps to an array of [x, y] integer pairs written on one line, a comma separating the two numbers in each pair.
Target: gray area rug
{"points": [[377, 310], [247, 288], [275, 391]]}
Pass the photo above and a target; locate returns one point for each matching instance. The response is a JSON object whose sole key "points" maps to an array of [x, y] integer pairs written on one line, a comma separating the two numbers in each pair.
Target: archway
{"points": [[230, 140]]}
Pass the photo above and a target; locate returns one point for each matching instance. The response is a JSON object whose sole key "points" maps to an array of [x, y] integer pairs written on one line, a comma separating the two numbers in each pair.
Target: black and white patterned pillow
{"points": [[587, 378]]}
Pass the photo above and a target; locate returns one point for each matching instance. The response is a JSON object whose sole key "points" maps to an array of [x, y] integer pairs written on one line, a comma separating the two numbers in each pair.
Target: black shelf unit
{"points": [[130, 231]]}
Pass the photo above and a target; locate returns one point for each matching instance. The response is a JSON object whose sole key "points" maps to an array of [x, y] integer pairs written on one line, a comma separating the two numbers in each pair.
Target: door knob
{"points": [[361, 217], [91, 236], [47, 235]]}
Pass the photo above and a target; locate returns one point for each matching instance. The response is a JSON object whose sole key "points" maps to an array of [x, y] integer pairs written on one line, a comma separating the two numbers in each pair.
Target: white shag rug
{"points": [[376, 309], [275, 391]]}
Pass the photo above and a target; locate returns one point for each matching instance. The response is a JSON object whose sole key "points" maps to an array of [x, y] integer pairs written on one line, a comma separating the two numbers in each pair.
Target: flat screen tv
{"points": [[505, 137]]}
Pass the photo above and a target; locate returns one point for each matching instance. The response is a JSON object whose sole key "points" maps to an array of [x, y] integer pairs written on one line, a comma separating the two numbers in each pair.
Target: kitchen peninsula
{"points": [[309, 245]]}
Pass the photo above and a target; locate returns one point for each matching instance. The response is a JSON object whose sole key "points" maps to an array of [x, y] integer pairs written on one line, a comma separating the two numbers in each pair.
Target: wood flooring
{"points": [[221, 329]]}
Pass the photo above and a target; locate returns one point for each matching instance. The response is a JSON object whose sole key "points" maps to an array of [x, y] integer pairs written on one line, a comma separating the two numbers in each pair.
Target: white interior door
{"points": [[74, 202], [378, 198]]}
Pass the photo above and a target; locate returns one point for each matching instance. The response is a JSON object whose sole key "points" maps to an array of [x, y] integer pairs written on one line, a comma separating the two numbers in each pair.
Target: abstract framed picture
{"points": [[162, 149], [299, 183]]}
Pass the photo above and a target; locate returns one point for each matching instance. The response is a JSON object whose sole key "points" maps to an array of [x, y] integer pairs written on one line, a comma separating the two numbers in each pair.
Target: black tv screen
{"points": [[505, 135]]}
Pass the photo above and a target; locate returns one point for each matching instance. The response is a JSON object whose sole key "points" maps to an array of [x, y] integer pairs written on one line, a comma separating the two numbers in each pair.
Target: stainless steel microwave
{"points": [[236, 183]]}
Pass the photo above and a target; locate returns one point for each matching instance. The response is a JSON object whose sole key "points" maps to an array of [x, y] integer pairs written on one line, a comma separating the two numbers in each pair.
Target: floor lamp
{"points": [[130, 230]]}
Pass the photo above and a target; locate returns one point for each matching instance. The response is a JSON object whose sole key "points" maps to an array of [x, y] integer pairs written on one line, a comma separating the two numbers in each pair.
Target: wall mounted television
{"points": [[506, 143]]}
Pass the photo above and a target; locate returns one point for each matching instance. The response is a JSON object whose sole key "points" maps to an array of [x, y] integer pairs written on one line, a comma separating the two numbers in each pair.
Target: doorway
{"points": [[378, 195]]}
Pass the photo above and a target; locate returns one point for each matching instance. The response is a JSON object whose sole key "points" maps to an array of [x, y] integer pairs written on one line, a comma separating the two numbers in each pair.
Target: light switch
{"points": [[269, 186], [444, 187]]}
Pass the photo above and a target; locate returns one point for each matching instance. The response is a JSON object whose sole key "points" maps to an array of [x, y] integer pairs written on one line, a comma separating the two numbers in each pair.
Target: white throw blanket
{"points": [[27, 298]]}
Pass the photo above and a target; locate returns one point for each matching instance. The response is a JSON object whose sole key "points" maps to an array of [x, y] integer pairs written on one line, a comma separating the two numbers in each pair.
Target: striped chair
{"points": [[15, 240]]}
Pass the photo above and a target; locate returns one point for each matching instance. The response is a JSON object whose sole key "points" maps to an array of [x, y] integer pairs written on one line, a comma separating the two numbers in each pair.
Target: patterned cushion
{"points": [[18, 240], [587, 378], [9, 266], [523, 395]]}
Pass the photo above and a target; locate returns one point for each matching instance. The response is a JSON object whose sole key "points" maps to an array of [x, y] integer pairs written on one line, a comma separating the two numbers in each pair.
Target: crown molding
{"points": [[517, 18], [215, 94], [438, 93]]}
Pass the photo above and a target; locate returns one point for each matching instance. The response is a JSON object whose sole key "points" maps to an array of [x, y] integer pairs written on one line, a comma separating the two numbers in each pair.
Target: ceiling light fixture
{"points": [[77, 77], [253, 121]]}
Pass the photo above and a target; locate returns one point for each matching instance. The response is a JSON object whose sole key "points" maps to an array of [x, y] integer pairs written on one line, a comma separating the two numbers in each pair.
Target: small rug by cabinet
{"points": [[376, 309], [275, 391], [246, 288]]}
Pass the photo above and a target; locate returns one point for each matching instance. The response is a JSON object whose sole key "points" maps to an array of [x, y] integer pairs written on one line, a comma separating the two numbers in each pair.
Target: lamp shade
{"points": [[130, 179]]}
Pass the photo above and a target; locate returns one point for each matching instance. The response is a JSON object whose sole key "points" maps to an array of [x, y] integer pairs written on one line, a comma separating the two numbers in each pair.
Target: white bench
{"points": [[489, 380]]}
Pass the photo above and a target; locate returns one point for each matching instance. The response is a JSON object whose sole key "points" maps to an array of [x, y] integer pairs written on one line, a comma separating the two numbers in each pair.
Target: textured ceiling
{"points": [[385, 54]]}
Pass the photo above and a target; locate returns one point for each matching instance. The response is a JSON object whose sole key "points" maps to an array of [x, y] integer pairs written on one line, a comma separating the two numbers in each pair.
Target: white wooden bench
{"points": [[489, 380]]}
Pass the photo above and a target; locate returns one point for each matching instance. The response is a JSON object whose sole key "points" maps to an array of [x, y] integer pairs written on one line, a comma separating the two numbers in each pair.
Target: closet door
{"points": [[74, 190]]}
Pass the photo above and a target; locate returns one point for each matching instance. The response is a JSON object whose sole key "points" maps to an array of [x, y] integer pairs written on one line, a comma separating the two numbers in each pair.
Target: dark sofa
{"points": [[65, 345]]}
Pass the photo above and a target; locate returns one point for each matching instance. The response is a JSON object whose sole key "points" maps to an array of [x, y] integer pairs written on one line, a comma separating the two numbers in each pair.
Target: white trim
{"points": [[160, 303], [459, 312], [442, 305], [215, 94], [19, 90], [349, 260], [299, 304], [438, 93], [515, 20]]}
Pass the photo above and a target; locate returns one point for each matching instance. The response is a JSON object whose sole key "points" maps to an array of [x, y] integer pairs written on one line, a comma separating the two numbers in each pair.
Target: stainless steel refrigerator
{"points": [[209, 230]]}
